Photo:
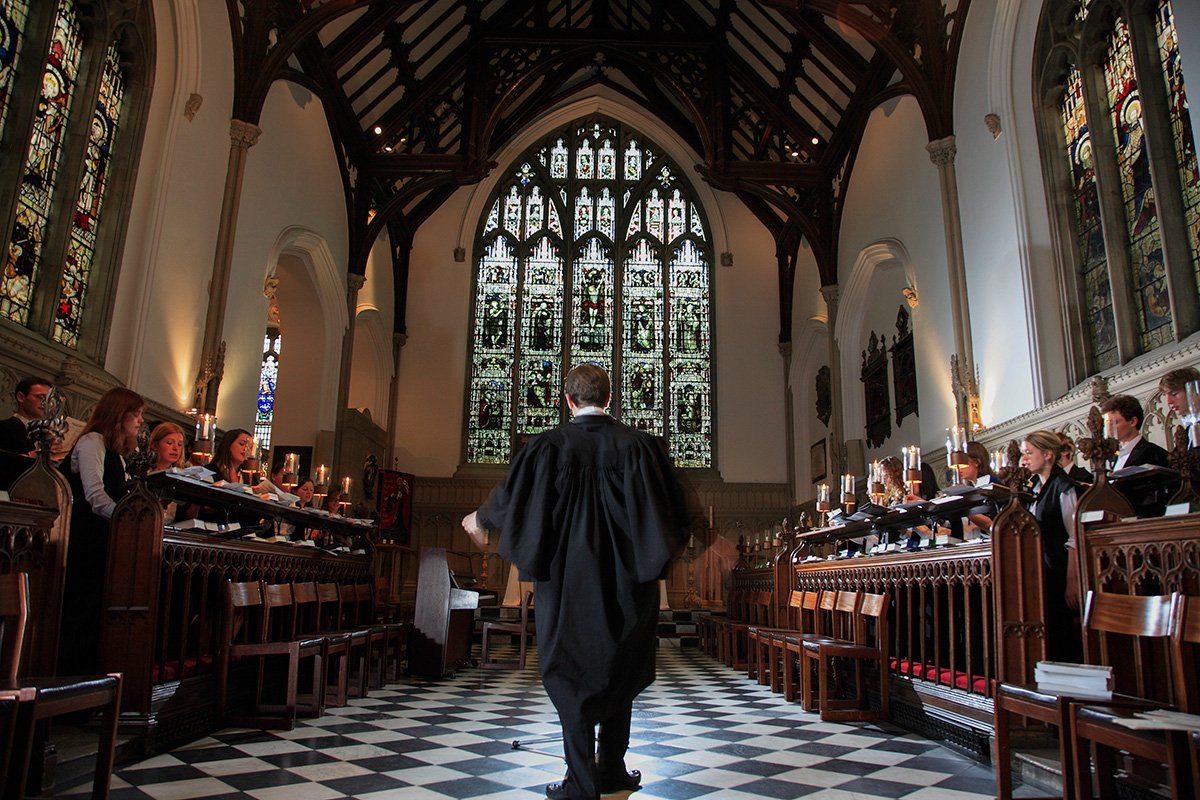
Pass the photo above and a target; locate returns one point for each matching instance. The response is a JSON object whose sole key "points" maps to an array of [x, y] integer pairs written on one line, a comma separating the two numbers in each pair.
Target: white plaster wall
{"points": [[751, 438], [893, 193], [1015, 318], [431, 381], [161, 297], [291, 180], [301, 367], [371, 367]]}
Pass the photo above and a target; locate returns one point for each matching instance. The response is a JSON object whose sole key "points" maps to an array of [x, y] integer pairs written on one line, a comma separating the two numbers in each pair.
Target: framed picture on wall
{"points": [[816, 461]]}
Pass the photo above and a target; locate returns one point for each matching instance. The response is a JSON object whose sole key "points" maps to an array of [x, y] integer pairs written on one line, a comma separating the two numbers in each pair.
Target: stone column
{"points": [[942, 153], [398, 342], [354, 283], [789, 423], [243, 136], [837, 435]]}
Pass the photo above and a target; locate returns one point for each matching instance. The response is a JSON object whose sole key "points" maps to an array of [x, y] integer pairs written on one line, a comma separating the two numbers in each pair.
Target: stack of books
{"points": [[1078, 680]]}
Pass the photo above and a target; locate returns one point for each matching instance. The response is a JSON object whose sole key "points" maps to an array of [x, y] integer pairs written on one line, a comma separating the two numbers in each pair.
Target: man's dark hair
{"points": [[1176, 379], [588, 385], [27, 384], [1126, 405]]}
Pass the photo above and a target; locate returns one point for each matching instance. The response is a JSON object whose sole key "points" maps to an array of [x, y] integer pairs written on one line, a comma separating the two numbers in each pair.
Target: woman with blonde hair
{"points": [[1056, 497], [166, 442], [95, 468]]}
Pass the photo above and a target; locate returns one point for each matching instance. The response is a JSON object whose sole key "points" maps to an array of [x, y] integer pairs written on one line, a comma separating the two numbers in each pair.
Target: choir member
{"points": [[1066, 460], [30, 400]]}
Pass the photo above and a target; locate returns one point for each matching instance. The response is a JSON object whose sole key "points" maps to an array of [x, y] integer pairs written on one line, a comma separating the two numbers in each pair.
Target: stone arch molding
{"points": [[329, 282], [885, 254], [615, 109]]}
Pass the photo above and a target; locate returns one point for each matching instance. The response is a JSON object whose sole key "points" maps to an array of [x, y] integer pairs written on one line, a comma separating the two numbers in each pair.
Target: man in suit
{"points": [[30, 396], [1173, 385], [1123, 415]]}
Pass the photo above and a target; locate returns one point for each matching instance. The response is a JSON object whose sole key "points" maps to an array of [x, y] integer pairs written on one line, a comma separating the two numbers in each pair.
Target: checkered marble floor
{"points": [[701, 731]]}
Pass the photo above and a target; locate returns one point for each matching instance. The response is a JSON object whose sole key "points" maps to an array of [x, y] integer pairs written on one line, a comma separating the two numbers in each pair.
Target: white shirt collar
{"points": [[586, 410]]}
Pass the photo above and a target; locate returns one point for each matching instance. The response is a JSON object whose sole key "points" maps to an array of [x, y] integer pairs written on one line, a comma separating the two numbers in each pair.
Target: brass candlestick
{"points": [[1099, 449]]}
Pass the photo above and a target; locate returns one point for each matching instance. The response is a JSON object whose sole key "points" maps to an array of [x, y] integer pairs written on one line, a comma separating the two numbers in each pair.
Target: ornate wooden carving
{"points": [[1020, 610], [42, 552], [130, 604], [904, 368], [875, 391]]}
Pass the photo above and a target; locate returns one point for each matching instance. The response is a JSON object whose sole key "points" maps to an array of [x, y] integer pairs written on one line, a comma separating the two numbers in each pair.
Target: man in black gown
{"points": [[592, 513]]}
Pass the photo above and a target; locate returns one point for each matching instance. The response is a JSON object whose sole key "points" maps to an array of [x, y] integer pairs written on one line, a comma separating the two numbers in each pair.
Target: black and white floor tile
{"points": [[701, 731]]}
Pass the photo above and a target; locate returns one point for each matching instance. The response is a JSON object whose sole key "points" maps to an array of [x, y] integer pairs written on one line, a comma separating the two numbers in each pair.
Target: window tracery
{"points": [[594, 249]]}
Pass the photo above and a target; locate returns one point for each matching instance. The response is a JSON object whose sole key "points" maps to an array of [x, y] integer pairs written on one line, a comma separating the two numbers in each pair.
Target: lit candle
{"points": [[848, 484], [999, 459], [322, 475], [912, 457], [291, 463], [346, 482], [206, 427], [1110, 427]]}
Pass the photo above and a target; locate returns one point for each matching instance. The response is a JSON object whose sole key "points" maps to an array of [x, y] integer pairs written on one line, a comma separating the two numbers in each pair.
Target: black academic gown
{"points": [[592, 513], [14, 437]]}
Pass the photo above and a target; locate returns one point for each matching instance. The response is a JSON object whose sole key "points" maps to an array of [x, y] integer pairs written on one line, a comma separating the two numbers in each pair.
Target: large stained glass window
{"points": [[1093, 265], [22, 260], [96, 161], [1181, 127], [13, 16], [1151, 303], [268, 375], [593, 249]]}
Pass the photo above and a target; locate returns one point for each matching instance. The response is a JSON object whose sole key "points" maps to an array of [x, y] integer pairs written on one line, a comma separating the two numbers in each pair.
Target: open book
{"points": [[204, 525]]}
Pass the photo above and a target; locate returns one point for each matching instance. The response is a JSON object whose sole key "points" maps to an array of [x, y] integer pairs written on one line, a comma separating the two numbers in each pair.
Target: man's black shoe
{"points": [[625, 782], [555, 791]]}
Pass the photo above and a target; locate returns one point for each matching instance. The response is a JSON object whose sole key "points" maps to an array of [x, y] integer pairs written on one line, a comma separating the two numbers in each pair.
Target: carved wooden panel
{"points": [[875, 391], [904, 368]]}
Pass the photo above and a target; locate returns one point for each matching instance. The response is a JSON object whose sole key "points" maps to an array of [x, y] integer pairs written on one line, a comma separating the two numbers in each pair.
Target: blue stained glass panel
{"points": [[1181, 127]]}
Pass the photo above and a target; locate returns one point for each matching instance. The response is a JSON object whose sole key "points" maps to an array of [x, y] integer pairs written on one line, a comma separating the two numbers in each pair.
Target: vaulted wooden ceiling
{"points": [[773, 95]]}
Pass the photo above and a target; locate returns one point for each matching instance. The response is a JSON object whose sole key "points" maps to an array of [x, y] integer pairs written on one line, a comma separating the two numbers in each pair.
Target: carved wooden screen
{"points": [[904, 368], [875, 390]]}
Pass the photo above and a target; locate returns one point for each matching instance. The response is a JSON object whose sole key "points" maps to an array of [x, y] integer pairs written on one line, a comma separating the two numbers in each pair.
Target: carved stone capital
{"points": [[243, 134], [355, 282], [831, 292], [942, 151]]}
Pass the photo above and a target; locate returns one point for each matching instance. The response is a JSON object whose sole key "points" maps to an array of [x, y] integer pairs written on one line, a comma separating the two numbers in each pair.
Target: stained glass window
{"points": [[1151, 303], [96, 162], [41, 165], [594, 249], [1093, 265], [1181, 128], [267, 377], [13, 15]]}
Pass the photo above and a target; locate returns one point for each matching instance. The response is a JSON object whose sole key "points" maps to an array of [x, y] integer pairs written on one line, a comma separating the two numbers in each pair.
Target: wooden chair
{"points": [[245, 635], [1146, 618], [1096, 735], [520, 628], [819, 606], [45, 698], [394, 635], [16, 731], [329, 620], [865, 649], [336, 655], [281, 619], [765, 644], [350, 617], [842, 628]]}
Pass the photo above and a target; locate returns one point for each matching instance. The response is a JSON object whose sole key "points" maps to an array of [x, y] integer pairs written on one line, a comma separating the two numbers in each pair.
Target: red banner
{"points": [[395, 506]]}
